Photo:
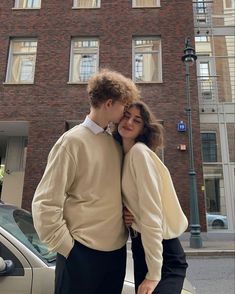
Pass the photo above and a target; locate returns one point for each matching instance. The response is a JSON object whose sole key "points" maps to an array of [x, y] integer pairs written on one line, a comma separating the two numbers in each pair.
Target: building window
{"points": [[201, 6], [145, 3], [215, 203], [84, 59], [209, 147], [27, 4], [212, 187], [206, 82], [21, 61], [202, 39], [204, 70], [147, 65], [86, 3], [201, 9], [229, 4]]}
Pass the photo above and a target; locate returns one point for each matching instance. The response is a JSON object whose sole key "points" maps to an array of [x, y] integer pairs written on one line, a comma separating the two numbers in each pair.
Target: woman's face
{"points": [[132, 124]]}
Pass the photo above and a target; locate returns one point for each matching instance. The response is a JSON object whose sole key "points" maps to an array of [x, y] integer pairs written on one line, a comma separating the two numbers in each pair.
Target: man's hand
{"points": [[128, 217], [147, 286]]}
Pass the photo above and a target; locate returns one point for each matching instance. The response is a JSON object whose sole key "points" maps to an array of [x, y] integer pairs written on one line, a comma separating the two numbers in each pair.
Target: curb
{"points": [[210, 253]]}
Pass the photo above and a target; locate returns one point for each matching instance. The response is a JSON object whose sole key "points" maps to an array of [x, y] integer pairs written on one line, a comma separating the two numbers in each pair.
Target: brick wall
{"points": [[50, 101]]}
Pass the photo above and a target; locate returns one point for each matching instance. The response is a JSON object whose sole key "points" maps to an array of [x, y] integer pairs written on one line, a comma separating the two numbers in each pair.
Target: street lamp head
{"points": [[189, 54]]}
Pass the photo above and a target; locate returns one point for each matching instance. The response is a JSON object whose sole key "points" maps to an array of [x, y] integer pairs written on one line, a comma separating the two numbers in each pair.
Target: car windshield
{"points": [[19, 223]]}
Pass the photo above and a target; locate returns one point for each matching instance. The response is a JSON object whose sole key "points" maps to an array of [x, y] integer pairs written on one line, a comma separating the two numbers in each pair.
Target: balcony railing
{"points": [[214, 89], [207, 88]]}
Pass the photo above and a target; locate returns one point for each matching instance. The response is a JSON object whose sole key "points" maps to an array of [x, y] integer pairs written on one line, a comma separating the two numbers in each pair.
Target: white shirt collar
{"points": [[91, 125]]}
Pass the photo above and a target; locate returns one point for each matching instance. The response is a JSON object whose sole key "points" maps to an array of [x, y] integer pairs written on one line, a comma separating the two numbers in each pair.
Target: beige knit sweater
{"points": [[149, 194], [79, 195]]}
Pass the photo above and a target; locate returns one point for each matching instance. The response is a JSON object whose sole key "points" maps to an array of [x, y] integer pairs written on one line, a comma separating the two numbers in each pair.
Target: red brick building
{"points": [[48, 50]]}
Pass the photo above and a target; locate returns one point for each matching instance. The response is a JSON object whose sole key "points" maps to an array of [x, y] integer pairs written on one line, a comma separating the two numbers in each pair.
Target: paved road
{"points": [[212, 275]]}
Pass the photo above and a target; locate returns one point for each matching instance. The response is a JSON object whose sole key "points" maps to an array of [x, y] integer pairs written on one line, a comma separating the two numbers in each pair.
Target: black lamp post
{"points": [[189, 58]]}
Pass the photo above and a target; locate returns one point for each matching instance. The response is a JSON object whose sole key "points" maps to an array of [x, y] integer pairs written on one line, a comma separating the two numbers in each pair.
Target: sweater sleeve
{"points": [[150, 210], [48, 202]]}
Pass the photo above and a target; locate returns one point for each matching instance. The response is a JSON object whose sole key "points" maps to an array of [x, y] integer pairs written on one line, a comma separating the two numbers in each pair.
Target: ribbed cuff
{"points": [[153, 276], [66, 245]]}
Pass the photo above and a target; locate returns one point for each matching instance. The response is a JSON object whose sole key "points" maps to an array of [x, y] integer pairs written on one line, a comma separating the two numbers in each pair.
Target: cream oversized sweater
{"points": [[149, 194], [79, 195]]}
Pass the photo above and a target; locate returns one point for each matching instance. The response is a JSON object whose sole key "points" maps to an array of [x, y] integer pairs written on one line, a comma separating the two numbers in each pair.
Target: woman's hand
{"points": [[147, 286], [128, 217]]}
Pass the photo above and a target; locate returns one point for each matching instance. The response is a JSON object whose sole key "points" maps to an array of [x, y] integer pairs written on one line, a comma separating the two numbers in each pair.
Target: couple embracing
{"points": [[98, 186]]}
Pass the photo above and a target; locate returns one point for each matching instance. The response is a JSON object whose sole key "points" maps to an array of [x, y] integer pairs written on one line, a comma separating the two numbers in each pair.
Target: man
{"points": [[77, 207]]}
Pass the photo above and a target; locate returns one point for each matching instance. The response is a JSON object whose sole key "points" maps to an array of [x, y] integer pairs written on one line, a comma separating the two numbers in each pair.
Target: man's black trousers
{"points": [[89, 271]]}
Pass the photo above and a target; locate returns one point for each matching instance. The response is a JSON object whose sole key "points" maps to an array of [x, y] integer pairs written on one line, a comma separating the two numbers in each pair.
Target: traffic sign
{"points": [[181, 126]]}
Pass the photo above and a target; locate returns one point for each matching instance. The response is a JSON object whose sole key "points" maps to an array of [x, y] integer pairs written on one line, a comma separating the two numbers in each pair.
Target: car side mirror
{"points": [[6, 266]]}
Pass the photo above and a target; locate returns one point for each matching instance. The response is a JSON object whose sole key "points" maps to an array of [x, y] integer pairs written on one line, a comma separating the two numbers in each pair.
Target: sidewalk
{"points": [[214, 244]]}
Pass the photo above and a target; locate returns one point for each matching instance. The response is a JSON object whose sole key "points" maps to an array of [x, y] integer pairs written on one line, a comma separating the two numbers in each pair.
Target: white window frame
{"points": [[91, 51], [204, 67], [10, 61], [202, 39], [216, 144], [207, 85], [134, 64], [17, 4], [201, 11], [76, 6], [134, 5]]}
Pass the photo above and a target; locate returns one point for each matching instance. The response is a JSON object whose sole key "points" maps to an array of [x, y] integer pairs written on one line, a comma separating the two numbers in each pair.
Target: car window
{"points": [[6, 254], [19, 223]]}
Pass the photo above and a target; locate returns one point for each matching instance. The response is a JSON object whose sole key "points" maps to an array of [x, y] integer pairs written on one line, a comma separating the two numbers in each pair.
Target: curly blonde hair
{"points": [[109, 84]]}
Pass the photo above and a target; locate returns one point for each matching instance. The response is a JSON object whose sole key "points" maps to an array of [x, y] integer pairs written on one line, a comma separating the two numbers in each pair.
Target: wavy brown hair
{"points": [[153, 132]]}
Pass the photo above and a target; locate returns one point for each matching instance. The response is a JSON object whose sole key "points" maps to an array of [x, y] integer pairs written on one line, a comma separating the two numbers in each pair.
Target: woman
{"points": [[149, 194]]}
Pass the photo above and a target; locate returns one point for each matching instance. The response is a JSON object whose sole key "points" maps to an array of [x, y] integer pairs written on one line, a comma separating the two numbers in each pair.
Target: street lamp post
{"points": [[189, 58]]}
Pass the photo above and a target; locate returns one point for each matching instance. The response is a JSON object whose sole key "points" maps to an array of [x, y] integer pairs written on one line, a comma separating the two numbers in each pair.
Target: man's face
{"points": [[116, 111]]}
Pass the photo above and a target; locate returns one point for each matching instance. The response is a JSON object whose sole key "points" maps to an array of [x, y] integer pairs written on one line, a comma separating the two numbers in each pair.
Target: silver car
{"points": [[216, 221], [26, 265]]}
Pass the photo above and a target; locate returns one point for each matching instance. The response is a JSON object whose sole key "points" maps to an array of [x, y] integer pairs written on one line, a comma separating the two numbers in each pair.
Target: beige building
{"points": [[215, 48]]}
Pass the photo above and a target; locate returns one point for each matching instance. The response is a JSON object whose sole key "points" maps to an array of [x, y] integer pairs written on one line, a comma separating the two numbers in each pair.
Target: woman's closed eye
{"points": [[138, 121]]}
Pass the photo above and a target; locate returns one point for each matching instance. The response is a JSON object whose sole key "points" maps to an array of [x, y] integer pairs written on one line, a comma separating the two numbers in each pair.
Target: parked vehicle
{"points": [[26, 265], [217, 221]]}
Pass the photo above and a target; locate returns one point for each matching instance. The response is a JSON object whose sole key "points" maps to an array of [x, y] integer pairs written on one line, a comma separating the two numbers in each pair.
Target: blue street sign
{"points": [[181, 126]]}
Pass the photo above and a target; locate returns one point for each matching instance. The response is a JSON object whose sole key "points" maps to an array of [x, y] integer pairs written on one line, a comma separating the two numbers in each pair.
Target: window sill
{"points": [[212, 162], [139, 83], [77, 83], [143, 7], [75, 8], [16, 8], [9, 83]]}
